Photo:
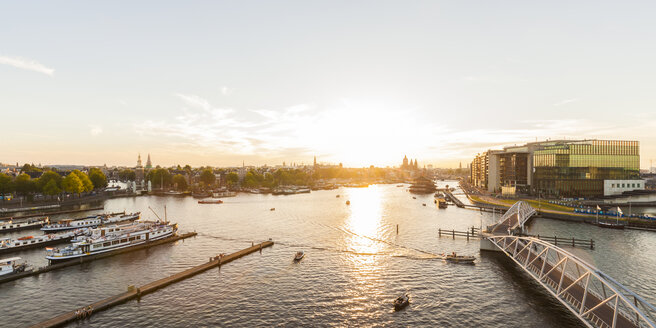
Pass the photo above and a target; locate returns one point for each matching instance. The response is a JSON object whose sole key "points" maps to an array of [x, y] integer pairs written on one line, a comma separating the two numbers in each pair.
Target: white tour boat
{"points": [[12, 265], [8, 245], [90, 221], [110, 238], [6, 226]]}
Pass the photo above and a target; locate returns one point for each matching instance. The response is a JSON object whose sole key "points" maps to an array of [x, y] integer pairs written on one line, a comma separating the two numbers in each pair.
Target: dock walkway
{"points": [[95, 257], [133, 293]]}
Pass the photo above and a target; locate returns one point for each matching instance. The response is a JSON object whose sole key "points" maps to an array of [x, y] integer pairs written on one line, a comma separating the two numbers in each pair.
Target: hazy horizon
{"points": [[365, 83]]}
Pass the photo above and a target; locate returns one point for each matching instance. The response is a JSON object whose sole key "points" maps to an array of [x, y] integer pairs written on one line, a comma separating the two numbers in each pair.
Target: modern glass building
{"points": [[579, 168], [561, 168]]}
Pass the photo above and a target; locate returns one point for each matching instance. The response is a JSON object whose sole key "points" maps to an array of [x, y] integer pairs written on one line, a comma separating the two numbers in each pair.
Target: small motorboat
{"points": [[348, 202], [401, 302], [272, 209], [210, 201], [336, 196], [453, 257], [413, 197], [299, 255], [610, 225], [424, 204]]}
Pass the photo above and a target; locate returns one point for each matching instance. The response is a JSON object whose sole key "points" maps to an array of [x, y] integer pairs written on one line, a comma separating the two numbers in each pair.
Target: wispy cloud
{"points": [[348, 131], [226, 91], [566, 101], [28, 64], [95, 130]]}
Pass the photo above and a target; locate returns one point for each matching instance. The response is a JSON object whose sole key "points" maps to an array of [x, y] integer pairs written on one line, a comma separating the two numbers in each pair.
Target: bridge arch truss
{"points": [[594, 297]]}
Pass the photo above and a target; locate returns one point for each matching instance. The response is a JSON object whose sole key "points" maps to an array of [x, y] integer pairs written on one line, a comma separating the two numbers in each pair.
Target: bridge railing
{"points": [[594, 297], [522, 209]]}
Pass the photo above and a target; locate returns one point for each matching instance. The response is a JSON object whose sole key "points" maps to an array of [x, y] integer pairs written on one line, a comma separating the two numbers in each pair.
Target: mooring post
{"points": [[556, 240], [591, 243], [467, 235], [439, 232], [453, 233], [397, 229], [573, 242]]}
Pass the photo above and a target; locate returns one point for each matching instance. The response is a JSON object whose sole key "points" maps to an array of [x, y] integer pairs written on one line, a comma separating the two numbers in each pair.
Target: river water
{"points": [[355, 265]]}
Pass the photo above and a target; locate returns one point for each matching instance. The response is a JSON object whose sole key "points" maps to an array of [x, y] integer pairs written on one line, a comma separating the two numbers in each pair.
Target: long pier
{"points": [[52, 213], [133, 292], [454, 199], [95, 257]]}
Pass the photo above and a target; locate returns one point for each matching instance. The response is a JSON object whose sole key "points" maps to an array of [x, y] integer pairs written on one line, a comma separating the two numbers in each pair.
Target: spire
{"points": [[149, 164], [315, 160], [139, 160]]}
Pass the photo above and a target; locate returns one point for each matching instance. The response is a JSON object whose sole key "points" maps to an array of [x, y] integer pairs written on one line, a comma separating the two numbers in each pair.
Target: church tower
{"points": [[149, 164], [405, 162]]}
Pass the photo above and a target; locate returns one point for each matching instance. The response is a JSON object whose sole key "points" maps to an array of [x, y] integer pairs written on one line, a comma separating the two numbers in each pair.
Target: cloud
{"points": [[95, 130], [226, 91], [566, 101], [27, 64]]}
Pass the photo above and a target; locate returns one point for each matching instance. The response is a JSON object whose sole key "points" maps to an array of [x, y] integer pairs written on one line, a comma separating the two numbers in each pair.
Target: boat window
{"points": [[107, 244], [124, 240], [114, 242]]}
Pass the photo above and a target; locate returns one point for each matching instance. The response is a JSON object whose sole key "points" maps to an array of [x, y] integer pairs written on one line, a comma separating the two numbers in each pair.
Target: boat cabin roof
{"points": [[11, 259]]}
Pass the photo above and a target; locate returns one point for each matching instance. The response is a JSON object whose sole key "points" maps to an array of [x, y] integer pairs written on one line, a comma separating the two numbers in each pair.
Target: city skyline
{"points": [[222, 83]]}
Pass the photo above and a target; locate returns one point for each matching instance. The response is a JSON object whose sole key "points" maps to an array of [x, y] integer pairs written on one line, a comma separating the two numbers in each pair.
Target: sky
{"points": [[355, 82]]}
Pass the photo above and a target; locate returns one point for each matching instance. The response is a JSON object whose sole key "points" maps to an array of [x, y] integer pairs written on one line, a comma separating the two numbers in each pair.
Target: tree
{"points": [[207, 177], [127, 175], [157, 176], [46, 177], [232, 178], [87, 185], [6, 185], [72, 184], [24, 184], [98, 178], [51, 188], [180, 181]]}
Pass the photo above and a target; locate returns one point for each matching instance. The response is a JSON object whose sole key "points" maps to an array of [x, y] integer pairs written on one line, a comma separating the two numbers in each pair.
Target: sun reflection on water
{"points": [[364, 223]]}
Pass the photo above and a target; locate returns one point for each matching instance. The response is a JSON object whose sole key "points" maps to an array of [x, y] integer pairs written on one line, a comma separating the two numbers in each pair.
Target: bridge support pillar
{"points": [[487, 245]]}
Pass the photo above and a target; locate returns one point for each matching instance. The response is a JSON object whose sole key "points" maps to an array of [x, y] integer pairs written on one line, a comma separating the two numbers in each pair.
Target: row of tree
{"points": [[51, 183]]}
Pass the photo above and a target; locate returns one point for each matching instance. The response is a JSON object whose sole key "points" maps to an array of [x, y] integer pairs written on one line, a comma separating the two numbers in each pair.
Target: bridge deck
{"points": [[601, 316]]}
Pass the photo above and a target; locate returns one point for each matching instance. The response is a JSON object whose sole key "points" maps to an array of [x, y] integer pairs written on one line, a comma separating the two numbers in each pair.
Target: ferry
{"points": [[111, 238], [90, 221], [10, 225], [8, 245], [11, 266]]}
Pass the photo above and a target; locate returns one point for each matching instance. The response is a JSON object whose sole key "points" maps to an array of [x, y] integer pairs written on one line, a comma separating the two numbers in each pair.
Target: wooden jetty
{"points": [[133, 292], [474, 232], [95, 257], [454, 199], [52, 213]]}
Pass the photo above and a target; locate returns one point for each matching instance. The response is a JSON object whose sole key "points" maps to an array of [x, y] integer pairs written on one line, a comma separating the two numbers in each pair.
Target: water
{"points": [[355, 265]]}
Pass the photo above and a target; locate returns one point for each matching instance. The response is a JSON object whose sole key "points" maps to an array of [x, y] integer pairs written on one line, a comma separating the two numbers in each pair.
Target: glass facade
{"points": [[513, 169], [579, 168]]}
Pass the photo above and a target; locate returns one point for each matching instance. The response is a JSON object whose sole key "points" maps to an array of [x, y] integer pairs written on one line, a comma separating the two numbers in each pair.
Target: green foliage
{"points": [[46, 177], [98, 178], [207, 177], [30, 168], [24, 184], [72, 184], [127, 175], [159, 175], [6, 184], [51, 188], [232, 178], [87, 185], [180, 181]]}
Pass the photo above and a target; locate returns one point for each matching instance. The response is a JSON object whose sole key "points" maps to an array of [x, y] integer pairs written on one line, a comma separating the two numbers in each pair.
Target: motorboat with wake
{"points": [[299, 256], [401, 302], [455, 258]]}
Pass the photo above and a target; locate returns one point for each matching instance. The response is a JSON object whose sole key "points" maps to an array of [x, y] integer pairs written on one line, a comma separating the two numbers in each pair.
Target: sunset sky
{"points": [[358, 82]]}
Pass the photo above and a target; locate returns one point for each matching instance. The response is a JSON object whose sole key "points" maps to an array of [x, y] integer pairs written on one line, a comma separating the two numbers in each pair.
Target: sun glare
{"points": [[364, 221]]}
